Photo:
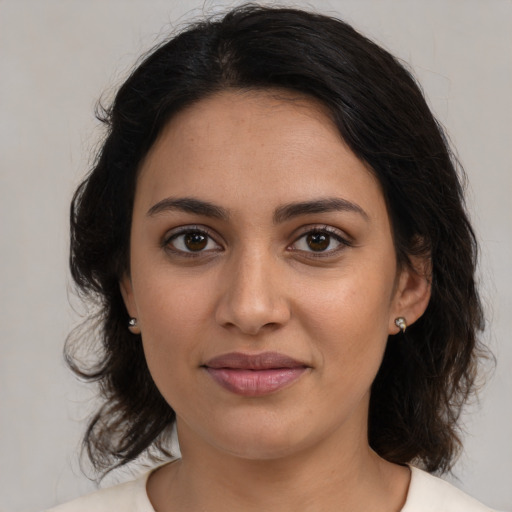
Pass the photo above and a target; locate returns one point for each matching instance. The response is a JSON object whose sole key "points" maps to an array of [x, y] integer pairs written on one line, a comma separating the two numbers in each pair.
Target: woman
{"points": [[276, 235]]}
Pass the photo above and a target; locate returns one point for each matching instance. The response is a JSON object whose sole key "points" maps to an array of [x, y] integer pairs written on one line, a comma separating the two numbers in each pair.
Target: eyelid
{"points": [[183, 230], [323, 228], [339, 235]]}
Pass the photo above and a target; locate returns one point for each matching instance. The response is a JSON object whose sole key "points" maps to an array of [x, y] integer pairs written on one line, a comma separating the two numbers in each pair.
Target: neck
{"points": [[334, 476]]}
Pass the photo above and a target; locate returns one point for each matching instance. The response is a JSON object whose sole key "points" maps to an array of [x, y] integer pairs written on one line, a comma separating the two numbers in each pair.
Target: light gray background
{"points": [[57, 57]]}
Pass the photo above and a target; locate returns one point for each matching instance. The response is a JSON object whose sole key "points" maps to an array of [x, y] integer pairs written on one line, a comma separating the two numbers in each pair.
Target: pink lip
{"points": [[254, 375]]}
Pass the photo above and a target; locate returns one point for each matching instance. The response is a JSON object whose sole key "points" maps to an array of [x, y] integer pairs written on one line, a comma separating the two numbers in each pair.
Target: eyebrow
{"points": [[330, 204], [189, 205], [281, 214]]}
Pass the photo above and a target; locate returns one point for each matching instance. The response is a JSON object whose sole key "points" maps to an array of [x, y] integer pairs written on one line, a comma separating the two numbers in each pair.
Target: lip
{"points": [[254, 374]]}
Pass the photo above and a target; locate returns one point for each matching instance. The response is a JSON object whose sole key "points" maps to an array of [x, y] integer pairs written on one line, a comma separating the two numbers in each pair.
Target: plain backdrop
{"points": [[58, 57]]}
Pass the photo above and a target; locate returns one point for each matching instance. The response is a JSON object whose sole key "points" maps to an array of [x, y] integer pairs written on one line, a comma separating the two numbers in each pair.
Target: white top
{"points": [[426, 493]]}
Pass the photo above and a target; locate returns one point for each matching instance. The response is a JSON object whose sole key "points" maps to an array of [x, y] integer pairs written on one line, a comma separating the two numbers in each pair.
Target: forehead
{"points": [[256, 146], [260, 119]]}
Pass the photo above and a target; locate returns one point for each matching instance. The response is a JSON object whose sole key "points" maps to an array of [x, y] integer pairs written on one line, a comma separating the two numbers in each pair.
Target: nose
{"points": [[251, 298]]}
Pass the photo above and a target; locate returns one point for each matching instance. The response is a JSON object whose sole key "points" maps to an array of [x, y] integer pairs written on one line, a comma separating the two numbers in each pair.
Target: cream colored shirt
{"points": [[426, 493]]}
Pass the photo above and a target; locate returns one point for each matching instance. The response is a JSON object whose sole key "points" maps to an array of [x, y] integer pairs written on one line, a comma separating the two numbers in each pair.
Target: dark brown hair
{"points": [[428, 373]]}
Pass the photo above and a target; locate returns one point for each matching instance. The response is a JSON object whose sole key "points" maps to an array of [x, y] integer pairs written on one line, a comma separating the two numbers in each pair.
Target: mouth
{"points": [[254, 375]]}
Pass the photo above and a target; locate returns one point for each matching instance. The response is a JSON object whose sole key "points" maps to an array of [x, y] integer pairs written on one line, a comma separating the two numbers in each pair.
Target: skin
{"points": [[258, 286]]}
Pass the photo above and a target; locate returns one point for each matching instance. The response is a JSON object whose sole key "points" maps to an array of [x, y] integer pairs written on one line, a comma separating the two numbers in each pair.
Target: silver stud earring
{"points": [[401, 323], [133, 326]]}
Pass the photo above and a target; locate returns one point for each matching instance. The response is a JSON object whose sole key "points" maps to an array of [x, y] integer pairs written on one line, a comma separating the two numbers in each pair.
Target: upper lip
{"points": [[261, 361]]}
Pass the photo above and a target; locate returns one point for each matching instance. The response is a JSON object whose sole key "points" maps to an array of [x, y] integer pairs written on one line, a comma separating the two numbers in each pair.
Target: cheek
{"points": [[347, 318], [170, 304], [358, 300], [174, 320]]}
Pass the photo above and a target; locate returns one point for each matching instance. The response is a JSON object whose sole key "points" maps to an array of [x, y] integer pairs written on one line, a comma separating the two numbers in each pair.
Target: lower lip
{"points": [[255, 382]]}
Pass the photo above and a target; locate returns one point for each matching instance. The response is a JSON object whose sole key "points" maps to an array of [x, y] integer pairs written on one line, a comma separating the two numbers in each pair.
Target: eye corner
{"points": [[327, 236], [191, 241]]}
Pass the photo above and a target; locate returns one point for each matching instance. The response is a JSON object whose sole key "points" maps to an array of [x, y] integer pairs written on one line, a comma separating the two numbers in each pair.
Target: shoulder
{"points": [[129, 497], [428, 493]]}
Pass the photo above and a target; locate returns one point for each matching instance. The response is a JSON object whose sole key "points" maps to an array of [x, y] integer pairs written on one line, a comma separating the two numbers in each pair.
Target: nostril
{"points": [[251, 322], [249, 298]]}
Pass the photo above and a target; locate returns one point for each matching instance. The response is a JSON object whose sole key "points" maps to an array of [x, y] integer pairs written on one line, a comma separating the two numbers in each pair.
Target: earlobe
{"points": [[412, 294]]}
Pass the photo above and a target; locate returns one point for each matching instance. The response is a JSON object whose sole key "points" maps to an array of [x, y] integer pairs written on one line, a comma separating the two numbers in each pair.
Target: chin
{"points": [[269, 442]]}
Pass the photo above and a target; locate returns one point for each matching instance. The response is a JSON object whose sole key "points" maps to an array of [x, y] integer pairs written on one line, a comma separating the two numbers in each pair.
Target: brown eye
{"points": [[195, 241], [318, 242], [321, 242], [191, 241]]}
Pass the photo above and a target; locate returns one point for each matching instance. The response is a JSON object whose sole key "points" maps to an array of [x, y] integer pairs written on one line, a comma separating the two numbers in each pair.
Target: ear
{"points": [[125, 285], [412, 294]]}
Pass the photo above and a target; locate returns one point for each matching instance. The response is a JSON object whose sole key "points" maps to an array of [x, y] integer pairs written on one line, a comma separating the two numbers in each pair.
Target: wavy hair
{"points": [[426, 375]]}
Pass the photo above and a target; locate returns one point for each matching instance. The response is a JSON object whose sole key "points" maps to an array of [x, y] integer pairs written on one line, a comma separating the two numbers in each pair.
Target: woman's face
{"points": [[263, 276]]}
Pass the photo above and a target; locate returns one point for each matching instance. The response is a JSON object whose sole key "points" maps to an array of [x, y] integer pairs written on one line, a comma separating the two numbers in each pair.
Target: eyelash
{"points": [[188, 230], [331, 232]]}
